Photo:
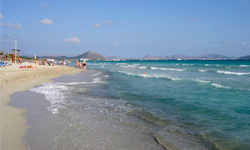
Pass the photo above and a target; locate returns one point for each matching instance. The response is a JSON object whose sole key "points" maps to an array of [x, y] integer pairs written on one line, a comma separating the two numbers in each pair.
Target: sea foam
{"points": [[202, 70], [220, 86], [233, 73], [170, 69], [54, 93], [153, 76], [244, 66]]}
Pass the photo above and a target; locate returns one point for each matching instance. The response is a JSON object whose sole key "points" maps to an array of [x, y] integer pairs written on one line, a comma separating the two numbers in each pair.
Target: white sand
{"points": [[14, 79]]}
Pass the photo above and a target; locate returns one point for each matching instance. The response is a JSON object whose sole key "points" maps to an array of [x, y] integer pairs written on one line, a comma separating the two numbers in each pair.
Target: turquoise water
{"points": [[152, 105], [203, 99]]}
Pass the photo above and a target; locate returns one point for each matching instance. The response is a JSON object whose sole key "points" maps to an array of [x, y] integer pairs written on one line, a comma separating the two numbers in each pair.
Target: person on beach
{"points": [[20, 61], [80, 64], [84, 65], [30, 66], [68, 62], [76, 64], [64, 63]]}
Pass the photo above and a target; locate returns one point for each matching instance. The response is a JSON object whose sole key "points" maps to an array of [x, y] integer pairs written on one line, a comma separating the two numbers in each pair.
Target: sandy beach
{"points": [[14, 79]]}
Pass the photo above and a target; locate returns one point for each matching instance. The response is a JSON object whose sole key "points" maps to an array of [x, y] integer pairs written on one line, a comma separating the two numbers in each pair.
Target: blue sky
{"points": [[127, 28]]}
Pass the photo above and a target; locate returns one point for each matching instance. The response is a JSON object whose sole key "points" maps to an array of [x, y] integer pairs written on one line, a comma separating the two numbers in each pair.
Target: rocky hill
{"points": [[88, 55], [245, 57]]}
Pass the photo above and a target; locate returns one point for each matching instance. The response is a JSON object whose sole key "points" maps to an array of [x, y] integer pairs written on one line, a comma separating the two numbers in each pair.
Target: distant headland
{"points": [[90, 55]]}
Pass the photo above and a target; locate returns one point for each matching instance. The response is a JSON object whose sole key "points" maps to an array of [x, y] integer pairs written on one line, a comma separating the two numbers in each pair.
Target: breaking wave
{"points": [[233, 73]]}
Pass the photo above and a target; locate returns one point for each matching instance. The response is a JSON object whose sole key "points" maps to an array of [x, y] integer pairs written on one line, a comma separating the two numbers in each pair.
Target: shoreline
{"points": [[15, 79]]}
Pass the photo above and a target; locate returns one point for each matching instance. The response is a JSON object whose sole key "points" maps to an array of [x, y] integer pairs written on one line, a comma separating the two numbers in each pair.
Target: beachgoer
{"points": [[30, 66], [84, 65], [69, 62], [76, 64], [64, 63], [80, 64]]}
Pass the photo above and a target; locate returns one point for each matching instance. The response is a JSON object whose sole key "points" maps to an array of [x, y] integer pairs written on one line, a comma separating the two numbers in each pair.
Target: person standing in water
{"points": [[76, 64], [80, 64], [68, 62], [84, 65]]}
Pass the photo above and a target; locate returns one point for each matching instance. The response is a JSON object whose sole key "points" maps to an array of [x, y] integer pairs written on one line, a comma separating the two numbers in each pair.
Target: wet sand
{"points": [[14, 79]]}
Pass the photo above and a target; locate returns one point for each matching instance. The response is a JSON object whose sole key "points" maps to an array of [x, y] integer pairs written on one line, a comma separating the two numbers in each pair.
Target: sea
{"points": [[152, 105]]}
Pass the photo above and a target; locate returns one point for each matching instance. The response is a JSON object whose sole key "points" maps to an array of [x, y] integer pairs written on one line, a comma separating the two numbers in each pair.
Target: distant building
{"points": [[3, 55]]}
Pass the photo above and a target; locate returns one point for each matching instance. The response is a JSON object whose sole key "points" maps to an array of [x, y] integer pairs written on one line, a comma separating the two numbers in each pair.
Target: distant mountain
{"points": [[180, 56], [112, 57], [89, 55], [213, 56], [245, 57], [96, 56]]}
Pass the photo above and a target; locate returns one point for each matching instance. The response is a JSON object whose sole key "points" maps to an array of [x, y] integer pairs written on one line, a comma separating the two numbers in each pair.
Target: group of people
{"points": [[81, 65], [63, 63]]}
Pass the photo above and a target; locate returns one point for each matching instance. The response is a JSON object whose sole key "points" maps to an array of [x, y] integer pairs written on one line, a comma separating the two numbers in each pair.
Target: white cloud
{"points": [[47, 21], [72, 40], [106, 22], [8, 40], [11, 36], [16, 26], [97, 25], [243, 43], [115, 43], [1, 16], [229, 42]]}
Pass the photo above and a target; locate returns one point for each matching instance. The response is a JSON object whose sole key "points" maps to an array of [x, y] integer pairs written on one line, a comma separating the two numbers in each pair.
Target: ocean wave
{"points": [[142, 67], [202, 70], [121, 64], [71, 83], [54, 93], [170, 69], [97, 74], [187, 64], [233, 73], [244, 66], [201, 81], [98, 64], [129, 66], [220, 86], [97, 80], [153, 76]]}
